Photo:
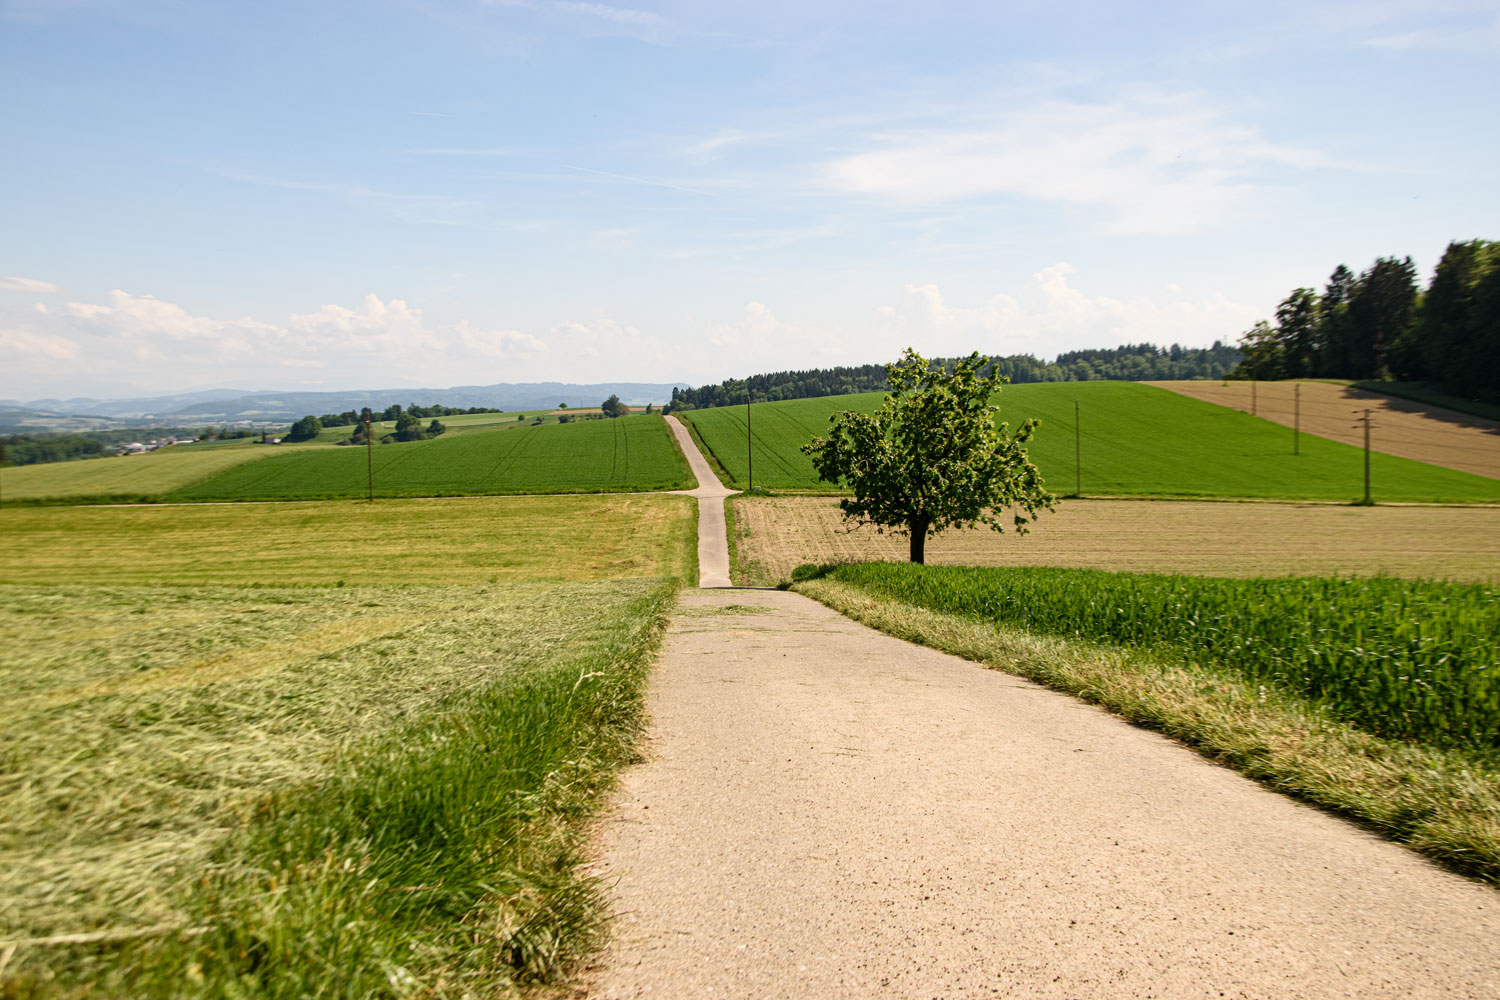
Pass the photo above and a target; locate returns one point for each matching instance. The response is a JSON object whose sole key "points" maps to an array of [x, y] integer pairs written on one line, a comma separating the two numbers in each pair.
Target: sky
{"points": [[428, 193]]}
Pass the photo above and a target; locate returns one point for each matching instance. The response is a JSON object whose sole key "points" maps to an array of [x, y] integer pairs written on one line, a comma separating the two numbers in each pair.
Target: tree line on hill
{"points": [[1382, 325], [394, 411], [1131, 363]]}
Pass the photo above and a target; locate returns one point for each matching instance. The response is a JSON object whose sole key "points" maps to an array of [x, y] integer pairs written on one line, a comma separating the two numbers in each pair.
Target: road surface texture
{"points": [[829, 812], [1399, 426], [713, 538]]}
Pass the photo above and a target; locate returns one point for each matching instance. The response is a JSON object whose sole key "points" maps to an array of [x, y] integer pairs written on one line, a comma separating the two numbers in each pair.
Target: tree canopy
{"points": [[1380, 324], [931, 457], [612, 407], [305, 429]]}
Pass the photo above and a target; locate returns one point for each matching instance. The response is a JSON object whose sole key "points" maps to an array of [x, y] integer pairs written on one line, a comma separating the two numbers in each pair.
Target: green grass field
{"points": [[628, 454], [1137, 440], [150, 477], [134, 477], [309, 750]]}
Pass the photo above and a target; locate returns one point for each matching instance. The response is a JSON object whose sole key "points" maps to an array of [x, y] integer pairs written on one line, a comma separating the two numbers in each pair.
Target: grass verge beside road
{"points": [[1442, 802]]}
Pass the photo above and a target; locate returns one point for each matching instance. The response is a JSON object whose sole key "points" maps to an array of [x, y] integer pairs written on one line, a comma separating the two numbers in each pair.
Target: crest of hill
{"points": [[1131, 363]]}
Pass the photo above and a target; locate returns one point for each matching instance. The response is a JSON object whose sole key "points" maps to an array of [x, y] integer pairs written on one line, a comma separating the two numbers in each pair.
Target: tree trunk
{"points": [[918, 528]]}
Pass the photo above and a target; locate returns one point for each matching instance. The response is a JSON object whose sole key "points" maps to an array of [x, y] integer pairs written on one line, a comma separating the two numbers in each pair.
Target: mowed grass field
{"points": [[625, 454], [337, 749], [389, 542], [1137, 440]]}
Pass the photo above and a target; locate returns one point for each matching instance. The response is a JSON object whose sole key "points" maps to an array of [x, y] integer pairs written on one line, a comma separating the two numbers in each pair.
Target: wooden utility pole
{"points": [[749, 447], [1368, 501], [1296, 418], [370, 455], [1077, 454]]}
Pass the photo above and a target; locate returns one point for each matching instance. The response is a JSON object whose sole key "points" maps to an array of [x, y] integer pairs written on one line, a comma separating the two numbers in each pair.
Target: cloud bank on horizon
{"points": [[463, 192]]}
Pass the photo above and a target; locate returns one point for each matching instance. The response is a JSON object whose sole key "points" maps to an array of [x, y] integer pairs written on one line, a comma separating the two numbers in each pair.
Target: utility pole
{"points": [[1077, 453], [1368, 502], [1252, 397], [1296, 418], [369, 454], [749, 447]]}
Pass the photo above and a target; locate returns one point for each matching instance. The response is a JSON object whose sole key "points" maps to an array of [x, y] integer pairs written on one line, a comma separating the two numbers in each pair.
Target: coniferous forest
{"points": [[1381, 325]]}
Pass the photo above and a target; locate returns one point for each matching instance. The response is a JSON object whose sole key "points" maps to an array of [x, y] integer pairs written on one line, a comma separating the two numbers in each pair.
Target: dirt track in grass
{"points": [[1399, 426], [1216, 539]]}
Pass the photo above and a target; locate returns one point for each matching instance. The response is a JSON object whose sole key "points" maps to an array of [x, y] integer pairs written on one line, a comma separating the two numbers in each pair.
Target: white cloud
{"points": [[504, 344], [28, 345], [1152, 162], [33, 285], [1052, 316], [143, 340]]}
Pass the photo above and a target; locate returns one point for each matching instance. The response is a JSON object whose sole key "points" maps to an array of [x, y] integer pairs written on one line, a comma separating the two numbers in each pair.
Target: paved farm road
{"points": [[829, 812]]}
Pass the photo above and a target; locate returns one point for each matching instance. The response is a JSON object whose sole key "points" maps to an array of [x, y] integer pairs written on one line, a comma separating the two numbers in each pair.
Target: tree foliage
{"points": [[305, 429], [612, 407], [1380, 324], [932, 458]]}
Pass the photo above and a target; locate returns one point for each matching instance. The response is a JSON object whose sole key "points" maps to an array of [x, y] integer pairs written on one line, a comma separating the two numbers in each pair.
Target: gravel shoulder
{"points": [[831, 812]]}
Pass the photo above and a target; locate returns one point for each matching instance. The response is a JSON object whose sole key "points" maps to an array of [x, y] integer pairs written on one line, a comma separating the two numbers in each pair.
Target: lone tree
{"points": [[931, 457], [305, 429], [612, 407]]}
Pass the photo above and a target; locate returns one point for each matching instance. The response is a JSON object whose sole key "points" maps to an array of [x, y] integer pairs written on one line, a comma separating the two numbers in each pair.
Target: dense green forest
{"points": [[24, 449], [1131, 363], [1380, 324]]}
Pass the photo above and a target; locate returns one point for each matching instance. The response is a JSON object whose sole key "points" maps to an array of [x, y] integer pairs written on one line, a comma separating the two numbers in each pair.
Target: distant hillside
{"points": [[1131, 363], [502, 396], [217, 405]]}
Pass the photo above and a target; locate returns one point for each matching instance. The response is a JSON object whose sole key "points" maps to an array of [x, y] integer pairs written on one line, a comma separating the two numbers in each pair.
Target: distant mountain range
{"points": [[214, 405]]}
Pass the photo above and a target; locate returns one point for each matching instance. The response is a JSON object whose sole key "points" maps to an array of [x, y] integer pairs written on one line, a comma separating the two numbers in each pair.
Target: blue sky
{"points": [[436, 192]]}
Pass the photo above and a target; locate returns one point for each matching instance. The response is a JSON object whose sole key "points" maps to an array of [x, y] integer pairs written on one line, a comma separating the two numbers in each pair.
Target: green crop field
{"points": [[134, 477], [634, 453], [1137, 440], [286, 749], [1406, 659]]}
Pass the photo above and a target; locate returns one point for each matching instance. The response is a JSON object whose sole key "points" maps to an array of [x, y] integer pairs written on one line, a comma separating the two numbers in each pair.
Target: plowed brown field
{"points": [[1400, 426], [773, 535]]}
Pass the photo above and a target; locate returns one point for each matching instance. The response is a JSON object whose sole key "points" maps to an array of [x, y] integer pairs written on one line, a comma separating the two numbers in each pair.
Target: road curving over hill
{"points": [[713, 534], [830, 812]]}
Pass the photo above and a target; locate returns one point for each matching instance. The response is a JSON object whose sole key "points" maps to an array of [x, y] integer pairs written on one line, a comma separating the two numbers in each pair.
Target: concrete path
{"points": [[713, 537], [830, 812]]}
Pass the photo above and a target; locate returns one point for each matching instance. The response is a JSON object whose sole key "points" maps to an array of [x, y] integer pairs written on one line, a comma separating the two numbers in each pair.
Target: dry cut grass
{"points": [[387, 542], [1399, 426], [142, 722], [774, 535]]}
